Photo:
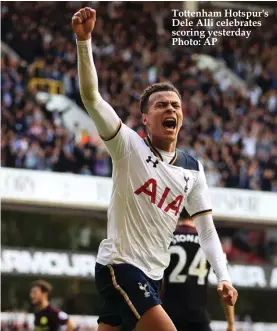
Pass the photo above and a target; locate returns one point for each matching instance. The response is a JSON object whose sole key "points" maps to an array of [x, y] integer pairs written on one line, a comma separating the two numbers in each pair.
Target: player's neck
{"points": [[163, 145], [43, 304], [186, 223]]}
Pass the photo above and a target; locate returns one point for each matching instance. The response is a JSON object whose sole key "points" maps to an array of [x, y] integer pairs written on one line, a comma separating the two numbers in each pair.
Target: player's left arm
{"points": [[199, 207], [63, 319], [71, 325]]}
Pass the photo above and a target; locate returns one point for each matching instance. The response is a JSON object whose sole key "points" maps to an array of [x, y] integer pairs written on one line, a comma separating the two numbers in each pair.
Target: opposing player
{"points": [[152, 183], [185, 284], [47, 317]]}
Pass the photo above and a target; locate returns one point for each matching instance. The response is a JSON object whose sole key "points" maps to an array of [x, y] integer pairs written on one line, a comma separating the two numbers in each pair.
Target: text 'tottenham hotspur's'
{"points": [[204, 28]]}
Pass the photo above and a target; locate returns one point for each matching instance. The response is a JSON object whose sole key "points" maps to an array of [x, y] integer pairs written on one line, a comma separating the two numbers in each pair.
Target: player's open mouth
{"points": [[170, 124]]}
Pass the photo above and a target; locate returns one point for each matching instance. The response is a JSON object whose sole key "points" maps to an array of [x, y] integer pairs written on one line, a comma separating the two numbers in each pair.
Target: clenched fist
{"points": [[83, 23]]}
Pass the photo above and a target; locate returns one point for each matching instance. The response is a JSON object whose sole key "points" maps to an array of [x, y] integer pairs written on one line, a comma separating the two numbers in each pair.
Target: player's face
{"points": [[164, 117], [36, 295]]}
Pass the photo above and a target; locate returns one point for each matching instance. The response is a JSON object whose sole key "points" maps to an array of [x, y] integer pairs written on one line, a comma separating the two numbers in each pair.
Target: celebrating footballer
{"points": [[152, 183]]}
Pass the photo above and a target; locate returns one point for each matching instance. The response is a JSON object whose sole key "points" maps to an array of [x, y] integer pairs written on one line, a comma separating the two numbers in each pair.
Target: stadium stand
{"points": [[232, 134]]}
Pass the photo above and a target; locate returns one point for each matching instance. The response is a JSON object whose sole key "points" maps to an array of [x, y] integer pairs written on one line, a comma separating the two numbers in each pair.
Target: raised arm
{"points": [[103, 115]]}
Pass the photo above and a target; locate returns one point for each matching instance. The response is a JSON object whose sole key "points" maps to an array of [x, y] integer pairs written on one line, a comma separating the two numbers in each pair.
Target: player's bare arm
{"points": [[103, 115], [229, 312], [70, 325]]}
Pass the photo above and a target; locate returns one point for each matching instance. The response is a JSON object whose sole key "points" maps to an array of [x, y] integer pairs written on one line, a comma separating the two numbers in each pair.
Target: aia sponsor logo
{"points": [[150, 188]]}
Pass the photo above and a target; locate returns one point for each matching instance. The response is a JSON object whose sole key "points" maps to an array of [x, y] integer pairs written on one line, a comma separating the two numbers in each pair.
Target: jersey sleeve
{"points": [[102, 114], [62, 317], [199, 200], [211, 246], [119, 139], [123, 142]]}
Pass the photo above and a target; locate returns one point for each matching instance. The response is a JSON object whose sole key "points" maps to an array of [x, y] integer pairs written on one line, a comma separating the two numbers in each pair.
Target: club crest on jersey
{"points": [[144, 288], [150, 188], [149, 159], [186, 187]]}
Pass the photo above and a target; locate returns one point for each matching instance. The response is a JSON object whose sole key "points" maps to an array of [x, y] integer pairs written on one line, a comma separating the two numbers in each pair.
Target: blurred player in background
{"points": [[47, 317], [152, 183], [185, 285]]}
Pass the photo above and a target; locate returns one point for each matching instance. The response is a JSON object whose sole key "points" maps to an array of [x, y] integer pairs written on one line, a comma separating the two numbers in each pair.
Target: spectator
{"points": [[232, 134]]}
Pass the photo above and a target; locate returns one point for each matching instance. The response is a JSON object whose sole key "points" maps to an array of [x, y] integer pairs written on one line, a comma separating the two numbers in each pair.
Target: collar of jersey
{"points": [[154, 150]]}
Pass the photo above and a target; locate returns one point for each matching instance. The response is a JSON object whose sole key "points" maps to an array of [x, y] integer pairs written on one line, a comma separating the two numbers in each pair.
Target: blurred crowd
{"points": [[14, 325], [250, 247], [36, 139], [234, 135]]}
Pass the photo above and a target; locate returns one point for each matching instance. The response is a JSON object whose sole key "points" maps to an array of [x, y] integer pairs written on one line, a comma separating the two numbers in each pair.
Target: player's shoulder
{"points": [[49, 311], [53, 309], [131, 135], [58, 313], [186, 161], [129, 130]]}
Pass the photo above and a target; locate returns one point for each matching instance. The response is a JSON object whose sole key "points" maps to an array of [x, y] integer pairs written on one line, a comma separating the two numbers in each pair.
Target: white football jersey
{"points": [[148, 196]]}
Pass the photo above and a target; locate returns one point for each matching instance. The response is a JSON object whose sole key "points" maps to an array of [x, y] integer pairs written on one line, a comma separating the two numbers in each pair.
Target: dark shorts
{"points": [[192, 326], [183, 324], [188, 320], [127, 294]]}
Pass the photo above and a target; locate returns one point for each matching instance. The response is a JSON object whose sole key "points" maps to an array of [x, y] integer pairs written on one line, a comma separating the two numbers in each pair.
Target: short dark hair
{"points": [[157, 87], [43, 285]]}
